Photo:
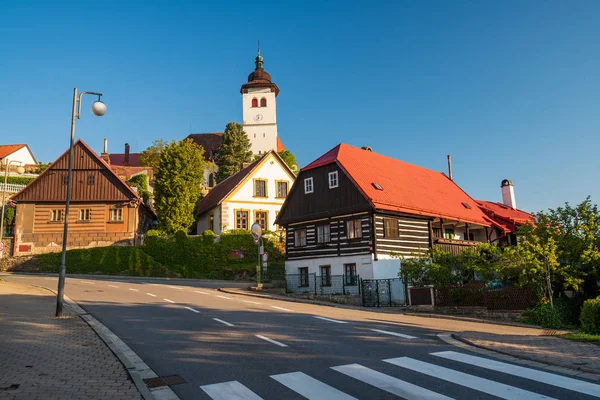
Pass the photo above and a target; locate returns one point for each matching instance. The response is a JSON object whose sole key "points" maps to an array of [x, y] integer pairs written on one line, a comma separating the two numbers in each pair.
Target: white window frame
{"points": [[333, 180], [323, 233], [309, 185], [300, 237], [85, 214], [116, 214]]}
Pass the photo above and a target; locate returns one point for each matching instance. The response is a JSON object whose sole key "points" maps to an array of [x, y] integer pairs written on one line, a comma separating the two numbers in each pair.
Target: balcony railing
{"points": [[11, 188], [453, 246]]}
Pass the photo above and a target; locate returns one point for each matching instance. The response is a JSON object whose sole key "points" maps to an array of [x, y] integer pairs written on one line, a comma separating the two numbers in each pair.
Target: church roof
{"points": [[259, 78], [210, 142]]}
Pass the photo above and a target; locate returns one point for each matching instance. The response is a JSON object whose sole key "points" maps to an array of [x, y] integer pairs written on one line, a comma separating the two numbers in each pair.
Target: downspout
{"points": [[374, 236]]}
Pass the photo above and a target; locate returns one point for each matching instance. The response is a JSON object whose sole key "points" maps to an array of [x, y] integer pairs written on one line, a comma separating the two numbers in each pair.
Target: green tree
{"points": [[234, 151], [151, 156], [140, 183], [178, 181], [41, 167], [290, 159]]}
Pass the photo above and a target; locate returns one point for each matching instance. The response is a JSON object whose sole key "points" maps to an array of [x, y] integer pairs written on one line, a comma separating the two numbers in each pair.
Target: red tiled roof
{"points": [[406, 187], [280, 146], [500, 211], [7, 149], [210, 142], [119, 159]]}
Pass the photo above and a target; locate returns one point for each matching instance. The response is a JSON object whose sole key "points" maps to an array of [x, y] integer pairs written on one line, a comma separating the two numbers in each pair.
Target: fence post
{"points": [[377, 290], [344, 285], [360, 290], [390, 290], [315, 284], [359, 286]]}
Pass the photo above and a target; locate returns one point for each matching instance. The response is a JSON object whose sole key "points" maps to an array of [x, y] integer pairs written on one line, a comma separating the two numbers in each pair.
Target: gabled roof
{"points": [[404, 187], [119, 159], [506, 217], [280, 146], [8, 149], [220, 192], [210, 142], [107, 186]]}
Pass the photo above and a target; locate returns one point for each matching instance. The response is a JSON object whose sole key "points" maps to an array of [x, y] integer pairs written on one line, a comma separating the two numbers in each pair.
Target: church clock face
{"points": [[258, 117]]}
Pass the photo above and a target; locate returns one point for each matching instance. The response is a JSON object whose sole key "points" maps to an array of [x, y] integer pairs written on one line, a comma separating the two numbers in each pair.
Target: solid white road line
{"points": [[223, 322], [330, 320], [281, 308], [170, 301], [460, 378], [91, 283], [174, 287], [402, 335], [151, 294], [310, 388], [197, 291], [230, 391], [527, 373], [224, 297], [191, 309], [133, 290], [388, 383], [271, 340], [113, 286], [251, 302]]}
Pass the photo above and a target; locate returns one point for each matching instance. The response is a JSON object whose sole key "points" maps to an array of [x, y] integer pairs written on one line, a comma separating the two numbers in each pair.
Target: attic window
{"points": [[466, 205], [377, 186], [91, 180]]}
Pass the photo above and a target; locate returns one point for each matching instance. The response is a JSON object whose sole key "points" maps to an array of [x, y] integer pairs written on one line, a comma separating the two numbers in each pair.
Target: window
{"points": [[65, 180], [255, 138], [323, 234], [85, 214], [255, 102], [260, 188], [303, 272], [333, 179], [308, 185], [56, 215], [263, 102], [282, 189], [390, 228], [241, 219], [471, 237], [300, 237], [116, 214], [354, 229], [350, 274], [211, 222], [325, 275], [261, 218], [91, 180], [449, 234], [264, 134]]}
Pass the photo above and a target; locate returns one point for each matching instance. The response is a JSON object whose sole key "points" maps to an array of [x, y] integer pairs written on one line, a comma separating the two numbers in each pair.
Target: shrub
{"points": [[590, 316], [152, 233], [112, 260], [564, 314], [18, 180]]}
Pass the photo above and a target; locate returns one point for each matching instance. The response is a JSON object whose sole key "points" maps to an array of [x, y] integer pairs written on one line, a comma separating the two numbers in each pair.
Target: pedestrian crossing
{"points": [[445, 378]]}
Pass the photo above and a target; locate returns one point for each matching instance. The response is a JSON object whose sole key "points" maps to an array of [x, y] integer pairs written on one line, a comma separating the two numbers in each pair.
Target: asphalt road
{"points": [[239, 347]]}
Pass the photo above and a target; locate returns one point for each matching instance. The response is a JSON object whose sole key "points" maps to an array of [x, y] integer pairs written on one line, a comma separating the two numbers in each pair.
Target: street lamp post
{"points": [[256, 230], [20, 170], [99, 109]]}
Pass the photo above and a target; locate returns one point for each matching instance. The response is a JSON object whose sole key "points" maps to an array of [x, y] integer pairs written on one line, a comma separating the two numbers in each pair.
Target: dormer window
{"points": [[333, 179], [308, 185], [255, 102], [263, 102]]}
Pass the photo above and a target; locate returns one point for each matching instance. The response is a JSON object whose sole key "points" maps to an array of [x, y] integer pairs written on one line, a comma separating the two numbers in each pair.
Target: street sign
{"points": [[261, 250], [264, 265], [256, 240], [265, 257]]}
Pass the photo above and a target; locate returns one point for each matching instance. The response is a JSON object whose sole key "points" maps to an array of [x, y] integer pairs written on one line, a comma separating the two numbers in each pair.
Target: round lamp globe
{"points": [[99, 108]]}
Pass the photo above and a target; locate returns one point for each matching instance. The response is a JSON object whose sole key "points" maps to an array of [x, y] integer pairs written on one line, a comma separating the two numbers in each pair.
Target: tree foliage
{"points": [[234, 151], [41, 167], [151, 156], [178, 181], [290, 159], [140, 183]]}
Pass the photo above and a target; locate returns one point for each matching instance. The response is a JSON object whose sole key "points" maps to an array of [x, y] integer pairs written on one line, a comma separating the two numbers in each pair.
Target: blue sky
{"points": [[510, 89]]}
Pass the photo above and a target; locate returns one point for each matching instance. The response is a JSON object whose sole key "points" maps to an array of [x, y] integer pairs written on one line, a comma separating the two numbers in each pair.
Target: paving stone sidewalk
{"points": [[44, 357], [545, 349]]}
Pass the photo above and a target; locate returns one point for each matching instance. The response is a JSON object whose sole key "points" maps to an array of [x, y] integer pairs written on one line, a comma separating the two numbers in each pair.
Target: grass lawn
{"points": [[583, 337]]}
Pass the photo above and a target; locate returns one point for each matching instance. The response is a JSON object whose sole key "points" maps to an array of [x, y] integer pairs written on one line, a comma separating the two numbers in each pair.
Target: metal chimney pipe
{"points": [[450, 167], [105, 145], [126, 153]]}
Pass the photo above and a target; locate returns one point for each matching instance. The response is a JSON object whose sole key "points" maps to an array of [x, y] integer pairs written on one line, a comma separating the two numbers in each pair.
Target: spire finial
{"points": [[258, 60], [259, 47]]}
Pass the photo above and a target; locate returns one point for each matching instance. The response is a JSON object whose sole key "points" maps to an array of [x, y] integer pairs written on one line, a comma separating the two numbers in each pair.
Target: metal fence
{"points": [[383, 292], [323, 284], [479, 295]]}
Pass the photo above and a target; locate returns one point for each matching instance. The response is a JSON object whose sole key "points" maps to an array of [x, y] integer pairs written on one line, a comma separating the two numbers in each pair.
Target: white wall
{"points": [[386, 267], [263, 132], [23, 155], [203, 222], [364, 265]]}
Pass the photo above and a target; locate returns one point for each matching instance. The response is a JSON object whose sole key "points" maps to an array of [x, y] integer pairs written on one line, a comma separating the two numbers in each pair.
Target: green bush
{"points": [[112, 260], [152, 233], [565, 314], [590, 316], [18, 180]]}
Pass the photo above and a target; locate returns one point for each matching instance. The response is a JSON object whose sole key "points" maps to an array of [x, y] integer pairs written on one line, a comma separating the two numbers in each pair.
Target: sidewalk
{"points": [[43, 357]]}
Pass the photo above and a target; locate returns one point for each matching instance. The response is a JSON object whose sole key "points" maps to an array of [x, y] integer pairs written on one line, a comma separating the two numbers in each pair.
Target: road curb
{"points": [[135, 366], [455, 340]]}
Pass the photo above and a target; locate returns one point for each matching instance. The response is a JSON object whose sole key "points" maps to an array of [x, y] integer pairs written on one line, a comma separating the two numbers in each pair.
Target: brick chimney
{"points": [[104, 154], [126, 153], [508, 193]]}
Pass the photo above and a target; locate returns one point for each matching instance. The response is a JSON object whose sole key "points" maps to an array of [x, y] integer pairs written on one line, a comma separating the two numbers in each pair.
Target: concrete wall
{"points": [[364, 265]]}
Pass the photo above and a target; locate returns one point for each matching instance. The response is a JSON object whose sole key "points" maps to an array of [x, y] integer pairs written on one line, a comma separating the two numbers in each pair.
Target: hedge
{"points": [[590, 316], [111, 260], [18, 180], [206, 256]]}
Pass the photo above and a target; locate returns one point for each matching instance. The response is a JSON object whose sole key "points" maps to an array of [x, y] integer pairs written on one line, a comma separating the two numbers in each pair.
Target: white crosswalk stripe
{"points": [[460, 378], [230, 391], [527, 373], [310, 387], [389, 383]]}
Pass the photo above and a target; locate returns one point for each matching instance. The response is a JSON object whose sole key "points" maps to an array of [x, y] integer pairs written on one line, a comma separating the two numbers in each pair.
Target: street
{"points": [[239, 347]]}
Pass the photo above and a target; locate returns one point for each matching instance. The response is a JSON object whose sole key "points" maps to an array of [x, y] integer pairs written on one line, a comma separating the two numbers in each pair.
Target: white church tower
{"points": [[259, 109]]}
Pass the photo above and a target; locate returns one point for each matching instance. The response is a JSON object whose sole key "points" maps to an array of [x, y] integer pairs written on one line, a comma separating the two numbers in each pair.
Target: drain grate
{"points": [[163, 381]]}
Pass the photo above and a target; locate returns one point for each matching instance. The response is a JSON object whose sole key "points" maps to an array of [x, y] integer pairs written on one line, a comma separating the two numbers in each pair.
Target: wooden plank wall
{"points": [[339, 244], [42, 224], [413, 236]]}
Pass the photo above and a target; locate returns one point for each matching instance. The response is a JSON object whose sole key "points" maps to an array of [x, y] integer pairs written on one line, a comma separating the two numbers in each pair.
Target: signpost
{"points": [[256, 230]]}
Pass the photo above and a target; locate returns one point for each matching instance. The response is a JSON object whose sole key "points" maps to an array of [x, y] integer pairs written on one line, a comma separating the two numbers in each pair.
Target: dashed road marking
{"points": [[271, 341], [113, 286], [174, 287], [251, 302], [133, 290], [281, 308], [198, 291], [402, 335], [223, 322], [224, 297], [191, 309], [170, 301], [330, 320], [151, 294]]}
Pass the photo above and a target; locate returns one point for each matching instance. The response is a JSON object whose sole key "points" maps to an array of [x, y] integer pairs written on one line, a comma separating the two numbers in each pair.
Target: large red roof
{"points": [[7, 149], [504, 215], [405, 187], [119, 159]]}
